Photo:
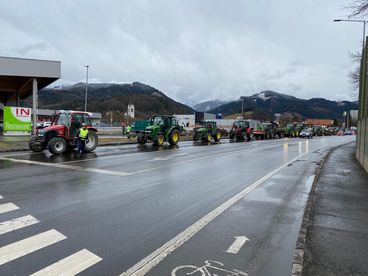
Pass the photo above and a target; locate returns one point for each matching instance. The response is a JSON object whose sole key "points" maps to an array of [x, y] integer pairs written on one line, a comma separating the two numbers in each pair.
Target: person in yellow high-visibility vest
{"points": [[82, 138]]}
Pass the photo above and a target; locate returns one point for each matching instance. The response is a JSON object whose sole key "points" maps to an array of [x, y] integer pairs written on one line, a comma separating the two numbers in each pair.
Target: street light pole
{"points": [[85, 97], [357, 21]]}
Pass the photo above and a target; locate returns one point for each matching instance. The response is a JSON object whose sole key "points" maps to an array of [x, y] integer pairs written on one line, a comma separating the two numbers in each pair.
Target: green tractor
{"points": [[206, 131], [299, 128], [317, 130], [290, 130], [161, 129], [264, 131]]}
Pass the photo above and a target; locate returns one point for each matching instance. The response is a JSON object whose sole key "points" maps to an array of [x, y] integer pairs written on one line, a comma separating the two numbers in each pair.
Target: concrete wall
{"points": [[362, 137], [110, 130]]}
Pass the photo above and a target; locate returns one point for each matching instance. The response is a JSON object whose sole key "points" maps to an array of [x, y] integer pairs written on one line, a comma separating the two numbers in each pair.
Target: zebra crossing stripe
{"points": [[26, 246], [17, 223], [7, 207], [70, 265]]}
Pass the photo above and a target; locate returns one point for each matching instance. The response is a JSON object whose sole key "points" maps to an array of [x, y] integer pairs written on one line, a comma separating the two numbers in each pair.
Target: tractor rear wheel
{"points": [[92, 141], [160, 139], [174, 137], [217, 136], [57, 145]]}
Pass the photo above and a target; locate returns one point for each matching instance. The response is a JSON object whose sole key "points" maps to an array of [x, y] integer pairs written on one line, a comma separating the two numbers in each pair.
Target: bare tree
{"points": [[354, 75], [358, 8]]}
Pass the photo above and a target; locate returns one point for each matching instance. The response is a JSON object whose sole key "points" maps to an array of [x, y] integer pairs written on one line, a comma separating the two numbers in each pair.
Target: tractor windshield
{"points": [[63, 119], [158, 121]]}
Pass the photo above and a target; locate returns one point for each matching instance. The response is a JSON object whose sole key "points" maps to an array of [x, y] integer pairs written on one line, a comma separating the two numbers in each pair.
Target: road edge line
{"points": [[149, 262]]}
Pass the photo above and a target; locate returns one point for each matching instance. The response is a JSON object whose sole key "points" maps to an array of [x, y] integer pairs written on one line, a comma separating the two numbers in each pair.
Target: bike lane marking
{"points": [[149, 262], [237, 244]]}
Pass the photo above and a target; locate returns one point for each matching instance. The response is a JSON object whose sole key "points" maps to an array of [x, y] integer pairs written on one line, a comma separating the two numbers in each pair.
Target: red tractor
{"points": [[60, 136], [241, 131]]}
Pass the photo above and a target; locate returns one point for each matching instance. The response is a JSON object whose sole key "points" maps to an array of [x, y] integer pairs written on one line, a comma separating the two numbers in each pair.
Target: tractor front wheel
{"points": [[174, 137], [141, 139], [208, 137], [57, 145], [36, 145], [217, 136], [92, 141], [160, 139]]}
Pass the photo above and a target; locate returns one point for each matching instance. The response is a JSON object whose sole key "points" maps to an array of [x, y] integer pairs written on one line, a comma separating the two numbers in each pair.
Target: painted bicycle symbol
{"points": [[211, 268]]}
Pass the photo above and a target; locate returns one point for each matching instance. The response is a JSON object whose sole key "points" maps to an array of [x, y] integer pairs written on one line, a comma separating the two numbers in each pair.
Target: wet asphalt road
{"points": [[123, 203]]}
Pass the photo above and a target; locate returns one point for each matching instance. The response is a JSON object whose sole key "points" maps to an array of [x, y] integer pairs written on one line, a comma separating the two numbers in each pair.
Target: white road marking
{"points": [[7, 207], [70, 265], [26, 246], [1, 196], [63, 166], [146, 264], [237, 244], [310, 180], [17, 223]]}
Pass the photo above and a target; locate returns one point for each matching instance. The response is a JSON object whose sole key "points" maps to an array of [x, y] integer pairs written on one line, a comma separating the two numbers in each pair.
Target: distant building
{"points": [[186, 120], [320, 122], [203, 116], [354, 115], [131, 110]]}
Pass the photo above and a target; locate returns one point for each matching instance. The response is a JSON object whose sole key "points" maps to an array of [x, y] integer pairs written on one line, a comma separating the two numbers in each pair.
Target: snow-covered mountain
{"points": [[208, 105]]}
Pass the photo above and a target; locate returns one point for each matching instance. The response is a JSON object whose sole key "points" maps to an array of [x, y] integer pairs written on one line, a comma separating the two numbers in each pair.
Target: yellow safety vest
{"points": [[83, 133]]}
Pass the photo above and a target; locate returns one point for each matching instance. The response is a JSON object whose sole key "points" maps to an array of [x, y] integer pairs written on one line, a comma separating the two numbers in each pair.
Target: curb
{"points": [[298, 255], [12, 150]]}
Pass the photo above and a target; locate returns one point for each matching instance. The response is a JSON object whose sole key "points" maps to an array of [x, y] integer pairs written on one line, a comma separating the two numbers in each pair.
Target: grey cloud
{"points": [[25, 50], [191, 50]]}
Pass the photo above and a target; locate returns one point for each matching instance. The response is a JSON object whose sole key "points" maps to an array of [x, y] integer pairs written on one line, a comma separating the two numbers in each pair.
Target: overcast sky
{"points": [[192, 50]]}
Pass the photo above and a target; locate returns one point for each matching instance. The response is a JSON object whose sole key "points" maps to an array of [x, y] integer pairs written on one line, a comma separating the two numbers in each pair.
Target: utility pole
{"points": [[242, 107], [85, 96]]}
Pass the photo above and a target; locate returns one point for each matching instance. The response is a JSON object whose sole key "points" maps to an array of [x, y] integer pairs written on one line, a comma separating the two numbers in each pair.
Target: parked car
{"points": [[306, 133]]}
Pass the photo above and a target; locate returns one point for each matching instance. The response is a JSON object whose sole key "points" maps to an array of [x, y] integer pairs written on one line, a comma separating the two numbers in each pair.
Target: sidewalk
{"points": [[337, 238]]}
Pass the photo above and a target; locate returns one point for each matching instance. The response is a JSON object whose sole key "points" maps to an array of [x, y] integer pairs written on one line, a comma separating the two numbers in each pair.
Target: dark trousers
{"points": [[81, 144]]}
